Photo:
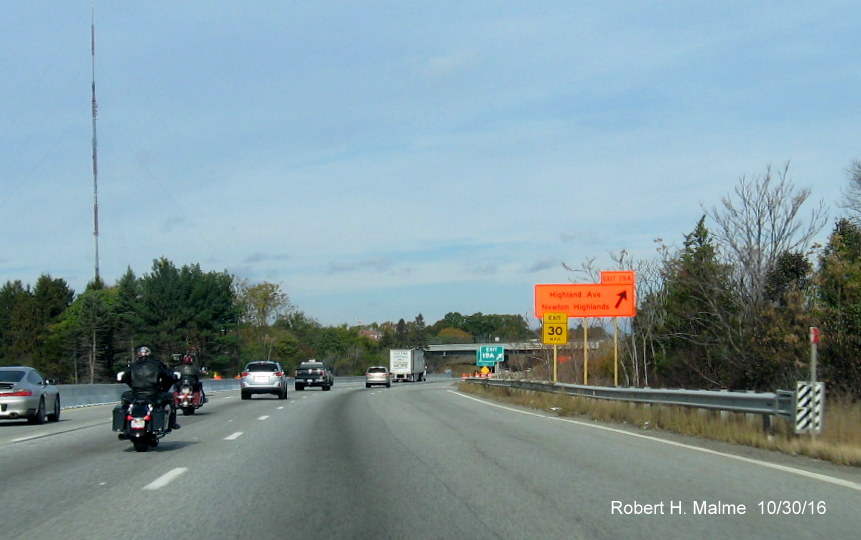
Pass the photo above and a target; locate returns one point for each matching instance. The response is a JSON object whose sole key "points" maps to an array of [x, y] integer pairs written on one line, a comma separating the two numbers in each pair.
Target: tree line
{"points": [[222, 320], [732, 307]]}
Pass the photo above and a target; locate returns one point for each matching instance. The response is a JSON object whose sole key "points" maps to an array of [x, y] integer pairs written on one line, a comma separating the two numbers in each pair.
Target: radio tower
{"points": [[95, 147]]}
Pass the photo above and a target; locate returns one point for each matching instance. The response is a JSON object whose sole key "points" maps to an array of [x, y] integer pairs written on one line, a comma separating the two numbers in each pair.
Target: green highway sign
{"points": [[489, 355]]}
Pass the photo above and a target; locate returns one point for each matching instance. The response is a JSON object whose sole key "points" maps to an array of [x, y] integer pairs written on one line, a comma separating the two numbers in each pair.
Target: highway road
{"points": [[413, 461]]}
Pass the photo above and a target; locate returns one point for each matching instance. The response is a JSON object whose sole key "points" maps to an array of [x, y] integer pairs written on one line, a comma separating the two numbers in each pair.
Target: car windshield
{"points": [[260, 366], [377, 370], [311, 366], [11, 376]]}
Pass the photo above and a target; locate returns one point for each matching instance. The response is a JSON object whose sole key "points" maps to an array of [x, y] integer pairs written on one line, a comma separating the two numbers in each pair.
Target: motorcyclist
{"points": [[149, 378], [189, 368]]}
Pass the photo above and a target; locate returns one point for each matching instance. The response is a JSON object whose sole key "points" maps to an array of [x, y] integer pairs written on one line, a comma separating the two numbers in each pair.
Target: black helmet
{"points": [[143, 351]]}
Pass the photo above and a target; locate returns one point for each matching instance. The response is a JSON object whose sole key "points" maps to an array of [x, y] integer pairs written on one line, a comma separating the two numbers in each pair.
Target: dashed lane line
{"points": [[166, 478]]}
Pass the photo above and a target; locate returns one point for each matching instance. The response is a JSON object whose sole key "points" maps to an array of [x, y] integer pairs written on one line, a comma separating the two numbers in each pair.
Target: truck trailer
{"points": [[407, 365]]}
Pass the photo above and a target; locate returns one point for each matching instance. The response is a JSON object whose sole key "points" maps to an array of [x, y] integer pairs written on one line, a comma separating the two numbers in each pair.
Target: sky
{"points": [[384, 159]]}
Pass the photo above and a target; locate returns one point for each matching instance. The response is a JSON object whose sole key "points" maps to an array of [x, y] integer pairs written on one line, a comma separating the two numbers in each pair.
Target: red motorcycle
{"points": [[186, 398]]}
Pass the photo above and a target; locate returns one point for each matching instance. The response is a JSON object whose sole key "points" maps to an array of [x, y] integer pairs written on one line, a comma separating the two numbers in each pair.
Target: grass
{"points": [[839, 442]]}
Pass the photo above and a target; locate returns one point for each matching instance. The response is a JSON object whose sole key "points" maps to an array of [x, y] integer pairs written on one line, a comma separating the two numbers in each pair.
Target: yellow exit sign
{"points": [[555, 329]]}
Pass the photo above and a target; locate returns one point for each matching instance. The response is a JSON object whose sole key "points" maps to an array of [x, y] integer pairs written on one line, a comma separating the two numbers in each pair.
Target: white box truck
{"points": [[407, 365]]}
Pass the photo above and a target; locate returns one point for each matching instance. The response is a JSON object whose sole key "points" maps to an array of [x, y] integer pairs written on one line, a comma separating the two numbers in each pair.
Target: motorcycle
{"points": [[186, 398], [142, 422]]}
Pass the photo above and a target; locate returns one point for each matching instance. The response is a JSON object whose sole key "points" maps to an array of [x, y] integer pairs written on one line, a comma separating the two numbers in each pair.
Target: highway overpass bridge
{"points": [[529, 347]]}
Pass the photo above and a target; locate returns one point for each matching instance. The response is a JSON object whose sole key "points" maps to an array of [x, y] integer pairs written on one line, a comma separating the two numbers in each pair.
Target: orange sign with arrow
{"points": [[586, 300]]}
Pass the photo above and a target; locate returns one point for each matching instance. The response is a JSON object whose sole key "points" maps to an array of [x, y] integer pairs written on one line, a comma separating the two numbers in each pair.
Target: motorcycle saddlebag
{"points": [[119, 419], [159, 419]]}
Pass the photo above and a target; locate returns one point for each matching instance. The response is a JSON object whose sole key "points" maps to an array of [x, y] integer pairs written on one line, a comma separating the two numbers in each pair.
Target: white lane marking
{"points": [[31, 437], [784, 468], [166, 478], [279, 408], [263, 417], [234, 436]]}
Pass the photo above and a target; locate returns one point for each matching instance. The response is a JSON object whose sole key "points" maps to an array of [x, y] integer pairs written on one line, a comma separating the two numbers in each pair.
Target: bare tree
{"points": [[762, 222], [852, 193], [638, 345]]}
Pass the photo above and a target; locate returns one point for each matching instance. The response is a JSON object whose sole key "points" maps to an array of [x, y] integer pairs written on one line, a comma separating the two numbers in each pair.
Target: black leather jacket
{"points": [[189, 370], [148, 377]]}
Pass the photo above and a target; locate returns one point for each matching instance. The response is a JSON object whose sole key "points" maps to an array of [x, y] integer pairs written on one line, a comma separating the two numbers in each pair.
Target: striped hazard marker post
{"points": [[809, 407]]}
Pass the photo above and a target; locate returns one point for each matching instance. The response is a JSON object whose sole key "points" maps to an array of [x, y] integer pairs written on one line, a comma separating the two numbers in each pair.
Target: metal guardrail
{"points": [[82, 395], [780, 403]]}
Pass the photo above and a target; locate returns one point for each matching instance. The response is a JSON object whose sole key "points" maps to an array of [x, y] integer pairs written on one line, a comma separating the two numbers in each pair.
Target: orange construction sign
{"points": [[617, 277], [586, 300]]}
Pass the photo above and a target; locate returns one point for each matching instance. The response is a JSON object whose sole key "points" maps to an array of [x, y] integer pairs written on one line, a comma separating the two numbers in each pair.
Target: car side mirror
{"points": [[176, 375]]}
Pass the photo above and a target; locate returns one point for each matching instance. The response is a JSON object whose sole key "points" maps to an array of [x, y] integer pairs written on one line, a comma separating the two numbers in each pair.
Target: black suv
{"points": [[313, 373]]}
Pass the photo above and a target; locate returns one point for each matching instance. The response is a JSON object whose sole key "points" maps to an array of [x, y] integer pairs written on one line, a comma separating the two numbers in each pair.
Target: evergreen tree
{"points": [[418, 333], [12, 293], [840, 308], [698, 316]]}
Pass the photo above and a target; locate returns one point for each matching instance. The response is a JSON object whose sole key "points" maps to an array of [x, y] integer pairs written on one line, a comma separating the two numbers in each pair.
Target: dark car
{"points": [[263, 377], [24, 393], [314, 373]]}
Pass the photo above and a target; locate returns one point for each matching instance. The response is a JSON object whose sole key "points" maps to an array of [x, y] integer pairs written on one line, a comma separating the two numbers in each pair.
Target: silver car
{"points": [[263, 377], [24, 393], [378, 375]]}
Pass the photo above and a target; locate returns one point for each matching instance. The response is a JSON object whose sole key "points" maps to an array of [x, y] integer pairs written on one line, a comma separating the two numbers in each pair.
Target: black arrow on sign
{"points": [[622, 296]]}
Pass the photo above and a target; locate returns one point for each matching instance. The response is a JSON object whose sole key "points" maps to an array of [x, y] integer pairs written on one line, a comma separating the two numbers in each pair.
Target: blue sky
{"points": [[385, 159]]}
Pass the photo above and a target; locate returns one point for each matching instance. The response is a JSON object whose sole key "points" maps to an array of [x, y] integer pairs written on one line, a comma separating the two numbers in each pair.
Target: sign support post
{"points": [[814, 341], [615, 351], [555, 332], [585, 351]]}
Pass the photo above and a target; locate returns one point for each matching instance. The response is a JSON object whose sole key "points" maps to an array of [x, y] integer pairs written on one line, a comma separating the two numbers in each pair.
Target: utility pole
{"points": [[95, 108]]}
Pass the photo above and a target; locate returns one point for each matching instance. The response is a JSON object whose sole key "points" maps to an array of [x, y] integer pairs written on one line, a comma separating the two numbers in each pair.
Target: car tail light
{"points": [[279, 374], [245, 374], [19, 393]]}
